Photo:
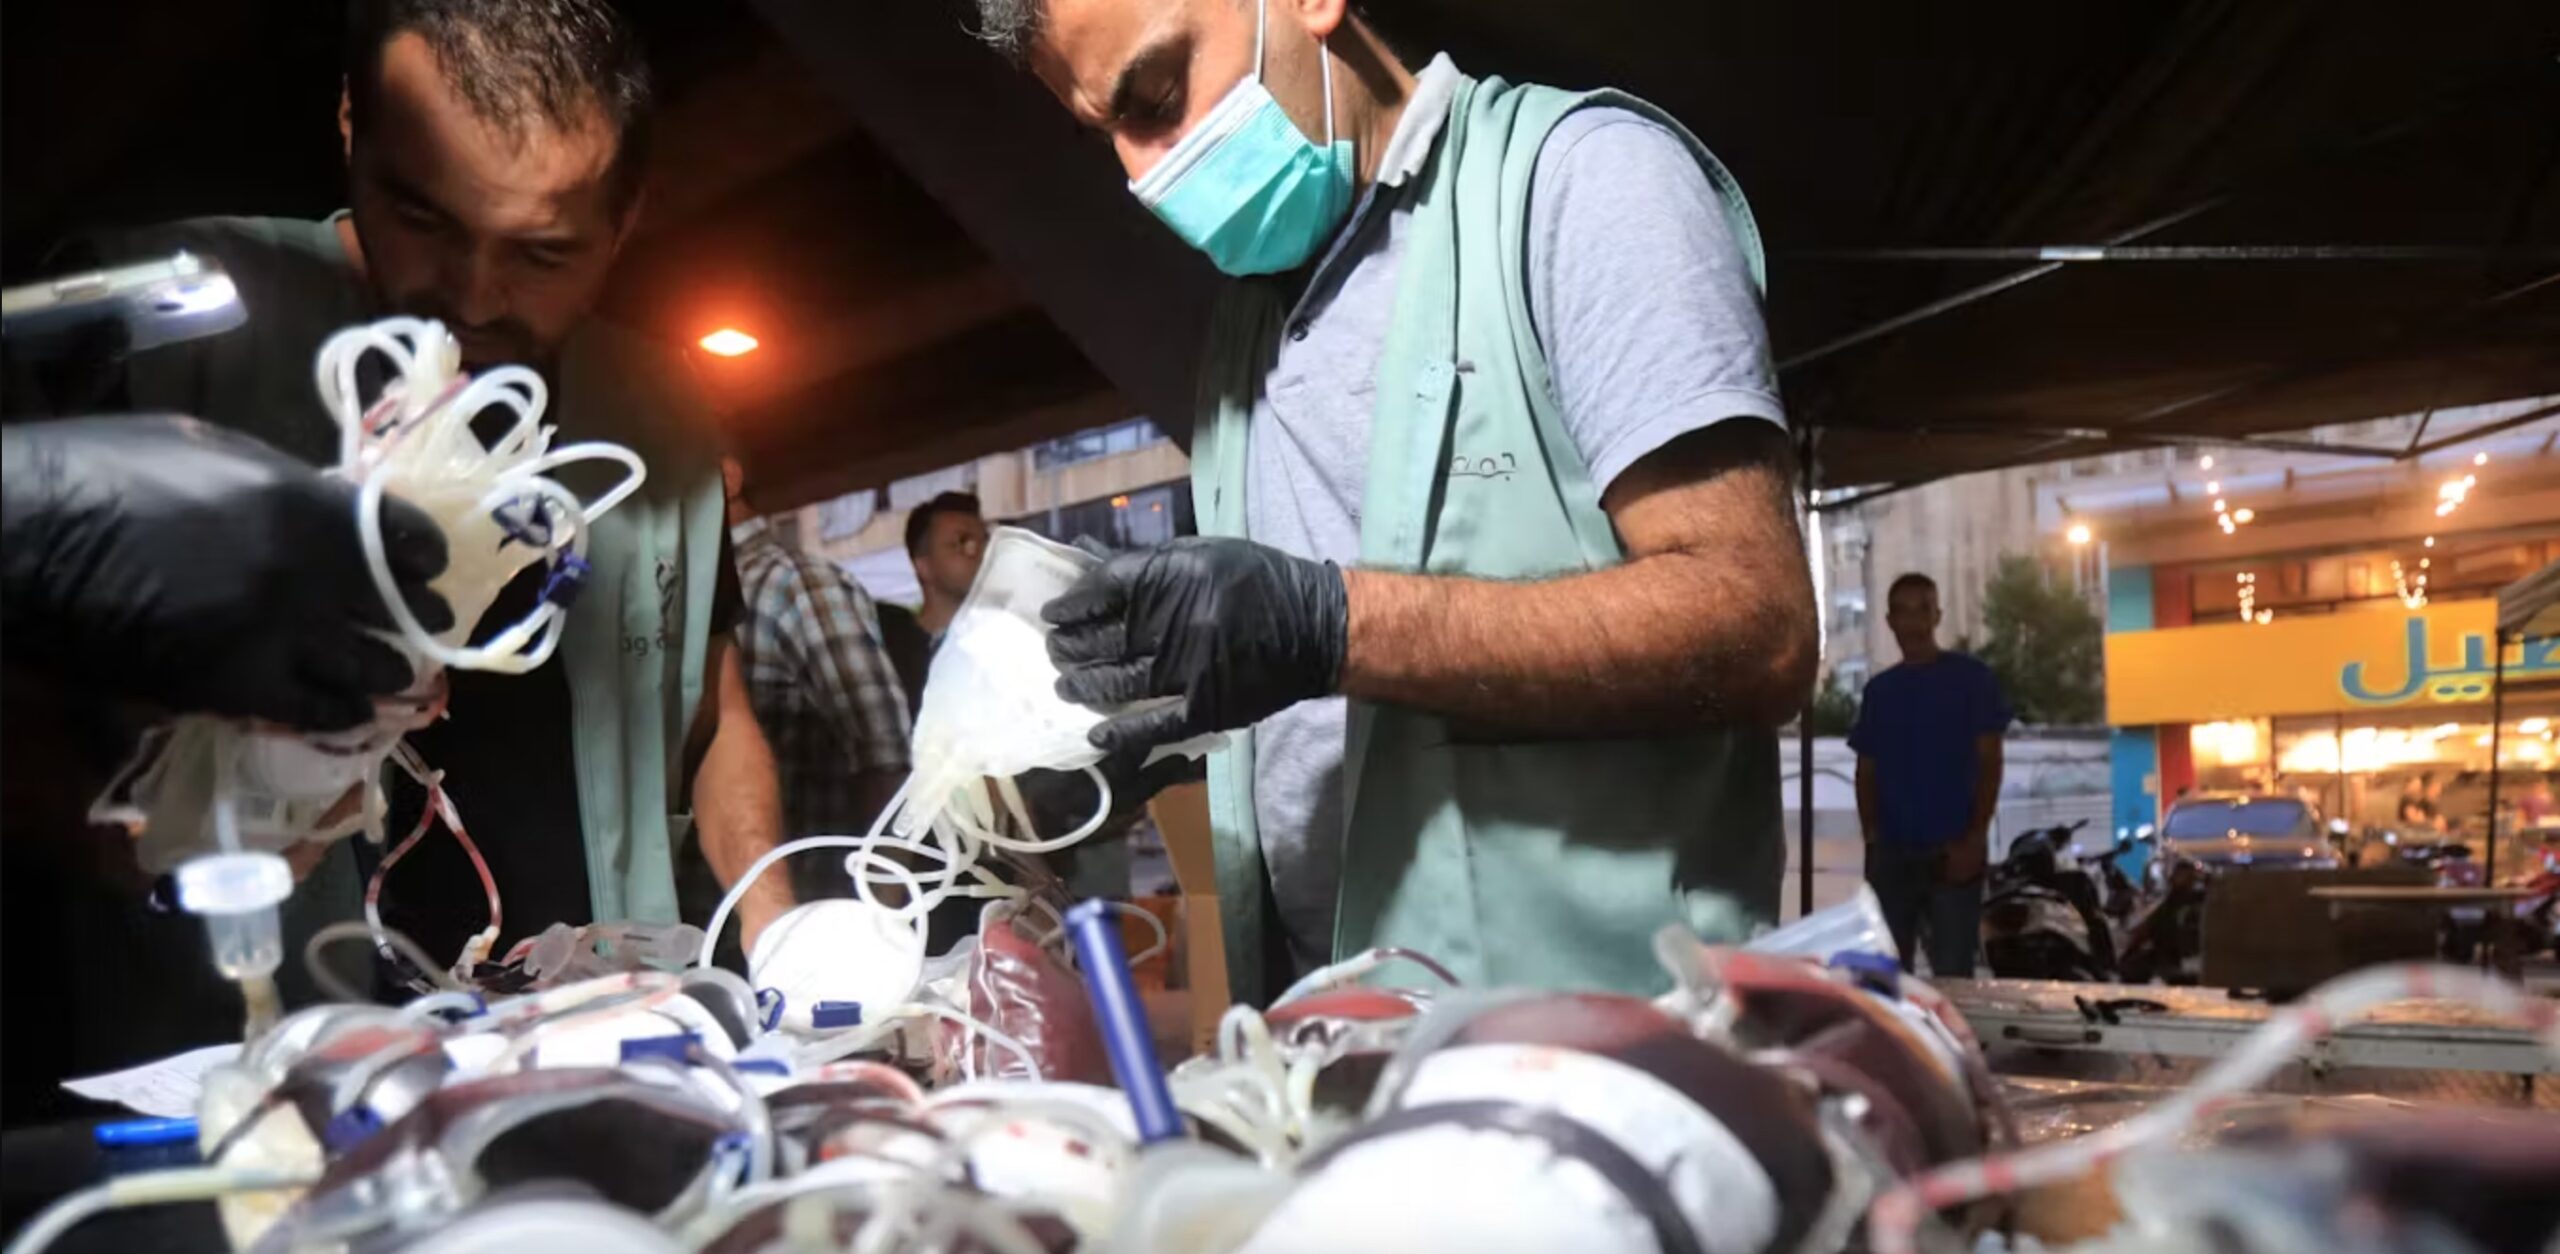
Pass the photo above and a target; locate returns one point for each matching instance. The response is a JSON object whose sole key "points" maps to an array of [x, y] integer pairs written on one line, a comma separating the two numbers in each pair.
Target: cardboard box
{"points": [[1181, 813]]}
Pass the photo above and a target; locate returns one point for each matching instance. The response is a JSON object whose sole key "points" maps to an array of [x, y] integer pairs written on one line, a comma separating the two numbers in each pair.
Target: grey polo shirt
{"points": [[1645, 307]]}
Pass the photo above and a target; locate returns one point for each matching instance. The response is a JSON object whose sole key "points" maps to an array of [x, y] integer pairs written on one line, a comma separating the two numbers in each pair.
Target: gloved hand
{"points": [[1238, 630], [1059, 802], [199, 569]]}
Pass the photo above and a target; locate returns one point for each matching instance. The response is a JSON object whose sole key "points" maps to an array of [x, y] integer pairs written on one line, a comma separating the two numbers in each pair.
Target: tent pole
{"points": [[1804, 722], [2086, 253], [2497, 724], [1980, 291], [2434, 111], [2483, 431], [2331, 363]]}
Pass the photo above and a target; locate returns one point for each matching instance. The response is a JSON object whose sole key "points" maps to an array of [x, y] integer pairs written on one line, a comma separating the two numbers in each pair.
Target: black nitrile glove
{"points": [[201, 570], [1059, 802], [1238, 630]]}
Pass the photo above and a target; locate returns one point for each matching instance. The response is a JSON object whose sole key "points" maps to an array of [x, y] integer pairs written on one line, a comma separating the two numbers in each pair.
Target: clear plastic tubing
{"points": [[1123, 1018], [1894, 1221]]}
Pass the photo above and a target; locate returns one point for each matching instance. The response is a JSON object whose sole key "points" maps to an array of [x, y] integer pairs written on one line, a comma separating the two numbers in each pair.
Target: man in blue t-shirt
{"points": [[1928, 746]]}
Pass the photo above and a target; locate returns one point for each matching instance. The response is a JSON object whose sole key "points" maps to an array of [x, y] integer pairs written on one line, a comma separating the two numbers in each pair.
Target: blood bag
{"points": [[1009, 982]]}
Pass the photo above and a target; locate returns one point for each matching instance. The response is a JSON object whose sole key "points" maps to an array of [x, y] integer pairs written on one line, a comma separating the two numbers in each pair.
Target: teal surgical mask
{"points": [[1246, 186]]}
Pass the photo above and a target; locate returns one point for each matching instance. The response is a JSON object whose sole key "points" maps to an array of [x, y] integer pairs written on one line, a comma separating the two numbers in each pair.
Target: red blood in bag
{"points": [[1849, 1040], [1021, 990], [1357, 1004]]}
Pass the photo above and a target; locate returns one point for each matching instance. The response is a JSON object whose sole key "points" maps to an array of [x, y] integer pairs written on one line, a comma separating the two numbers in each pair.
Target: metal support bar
{"points": [[2071, 254], [1804, 722], [2000, 1011], [2150, 438], [2484, 430], [2496, 940], [2434, 111], [1982, 291], [1852, 502], [2425, 420], [2297, 372]]}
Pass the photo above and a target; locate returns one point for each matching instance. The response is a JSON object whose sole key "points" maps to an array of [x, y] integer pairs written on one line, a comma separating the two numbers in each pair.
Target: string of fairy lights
{"points": [[2409, 580], [2450, 496]]}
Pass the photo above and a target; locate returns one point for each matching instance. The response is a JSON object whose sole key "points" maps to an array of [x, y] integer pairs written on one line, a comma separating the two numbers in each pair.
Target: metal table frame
{"points": [[2208, 1023]]}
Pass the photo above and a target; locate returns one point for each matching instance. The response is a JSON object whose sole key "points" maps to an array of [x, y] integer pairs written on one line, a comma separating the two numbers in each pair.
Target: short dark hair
{"points": [[1012, 26], [1913, 580], [920, 519], [513, 61]]}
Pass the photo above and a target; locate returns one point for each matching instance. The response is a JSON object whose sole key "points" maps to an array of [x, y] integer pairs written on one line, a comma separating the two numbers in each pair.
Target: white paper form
{"points": [[167, 1089]]}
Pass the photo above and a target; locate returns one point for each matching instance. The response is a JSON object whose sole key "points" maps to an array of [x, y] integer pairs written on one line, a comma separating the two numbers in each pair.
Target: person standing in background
{"points": [[1929, 763], [822, 688], [2418, 812], [946, 538]]}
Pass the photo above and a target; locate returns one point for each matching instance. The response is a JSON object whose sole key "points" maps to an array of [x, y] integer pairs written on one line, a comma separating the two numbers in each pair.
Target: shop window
{"points": [[2324, 579], [1131, 520], [1084, 446], [2412, 782], [847, 514]]}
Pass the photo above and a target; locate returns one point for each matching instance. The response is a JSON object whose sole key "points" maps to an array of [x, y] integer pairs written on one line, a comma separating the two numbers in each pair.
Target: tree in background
{"points": [[1835, 708], [2043, 641]]}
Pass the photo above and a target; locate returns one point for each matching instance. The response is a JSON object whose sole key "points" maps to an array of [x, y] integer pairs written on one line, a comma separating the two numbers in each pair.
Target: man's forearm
{"points": [[1668, 641], [737, 806], [1710, 619], [737, 796]]}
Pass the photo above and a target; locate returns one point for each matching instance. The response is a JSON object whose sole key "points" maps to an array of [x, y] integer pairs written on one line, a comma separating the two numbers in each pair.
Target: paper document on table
{"points": [[167, 1089]]}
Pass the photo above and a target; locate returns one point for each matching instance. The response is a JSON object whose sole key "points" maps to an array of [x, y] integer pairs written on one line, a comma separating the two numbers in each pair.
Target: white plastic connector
{"points": [[237, 895]]}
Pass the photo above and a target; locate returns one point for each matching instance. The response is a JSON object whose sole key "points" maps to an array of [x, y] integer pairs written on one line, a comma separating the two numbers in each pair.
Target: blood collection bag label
{"points": [[1726, 1194]]}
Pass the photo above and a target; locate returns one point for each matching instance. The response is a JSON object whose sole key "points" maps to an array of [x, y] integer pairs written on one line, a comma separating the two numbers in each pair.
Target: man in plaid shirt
{"points": [[830, 703]]}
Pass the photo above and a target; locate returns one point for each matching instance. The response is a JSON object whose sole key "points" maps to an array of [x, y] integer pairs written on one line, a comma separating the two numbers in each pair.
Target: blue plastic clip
{"points": [[678, 1047], [526, 520], [836, 1014], [1878, 973], [350, 1128], [568, 578], [131, 1145], [770, 1001], [736, 1147], [145, 1133]]}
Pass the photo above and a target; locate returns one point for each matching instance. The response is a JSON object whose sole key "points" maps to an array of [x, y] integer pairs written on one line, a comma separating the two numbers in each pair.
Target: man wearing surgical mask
{"points": [[1499, 564]]}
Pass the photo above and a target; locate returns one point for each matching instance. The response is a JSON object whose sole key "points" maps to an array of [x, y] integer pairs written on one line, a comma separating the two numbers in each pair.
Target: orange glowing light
{"points": [[729, 342]]}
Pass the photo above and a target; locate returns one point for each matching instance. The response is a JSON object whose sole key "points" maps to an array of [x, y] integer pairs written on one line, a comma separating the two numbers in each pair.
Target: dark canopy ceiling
{"points": [[940, 266]]}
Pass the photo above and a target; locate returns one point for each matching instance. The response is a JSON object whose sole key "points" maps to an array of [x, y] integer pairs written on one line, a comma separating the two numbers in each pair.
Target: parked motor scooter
{"points": [[2538, 914], [2042, 919], [2164, 940], [2462, 930], [2122, 896]]}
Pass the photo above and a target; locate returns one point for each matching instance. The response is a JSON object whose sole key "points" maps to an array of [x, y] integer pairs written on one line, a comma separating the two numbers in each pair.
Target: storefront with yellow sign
{"points": [[2376, 710]]}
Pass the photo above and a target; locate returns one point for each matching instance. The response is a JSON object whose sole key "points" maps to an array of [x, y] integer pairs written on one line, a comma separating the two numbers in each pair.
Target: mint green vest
{"points": [[638, 635], [1516, 862]]}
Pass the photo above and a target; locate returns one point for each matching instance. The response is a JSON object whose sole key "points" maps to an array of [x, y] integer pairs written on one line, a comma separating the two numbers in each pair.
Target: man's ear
{"points": [[623, 226], [346, 122], [1320, 17]]}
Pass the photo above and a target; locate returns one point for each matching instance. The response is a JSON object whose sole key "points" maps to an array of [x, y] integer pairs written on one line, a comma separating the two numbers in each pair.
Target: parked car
{"points": [[2249, 832]]}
